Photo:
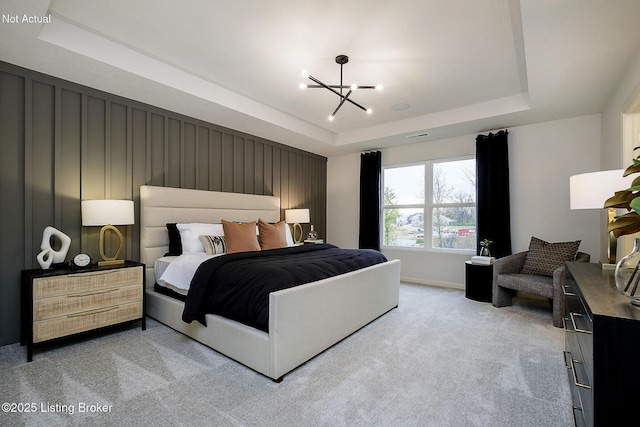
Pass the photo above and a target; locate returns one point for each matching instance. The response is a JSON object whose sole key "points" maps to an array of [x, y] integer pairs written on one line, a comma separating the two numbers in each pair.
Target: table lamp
{"points": [[591, 190], [108, 214], [297, 216]]}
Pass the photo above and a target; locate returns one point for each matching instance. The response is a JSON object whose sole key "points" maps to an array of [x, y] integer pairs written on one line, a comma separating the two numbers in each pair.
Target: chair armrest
{"points": [[509, 264]]}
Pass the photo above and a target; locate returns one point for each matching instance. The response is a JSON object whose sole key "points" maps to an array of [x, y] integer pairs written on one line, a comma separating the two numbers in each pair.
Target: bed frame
{"points": [[303, 321]]}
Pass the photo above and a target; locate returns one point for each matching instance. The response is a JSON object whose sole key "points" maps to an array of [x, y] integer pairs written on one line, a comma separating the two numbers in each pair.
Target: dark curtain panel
{"points": [[493, 214], [370, 199]]}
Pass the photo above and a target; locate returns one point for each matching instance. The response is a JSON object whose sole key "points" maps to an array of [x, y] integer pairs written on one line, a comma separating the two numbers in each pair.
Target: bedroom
{"points": [[590, 135]]}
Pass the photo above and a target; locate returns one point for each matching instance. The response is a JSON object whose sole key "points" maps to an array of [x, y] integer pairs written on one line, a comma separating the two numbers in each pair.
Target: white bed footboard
{"points": [[308, 319]]}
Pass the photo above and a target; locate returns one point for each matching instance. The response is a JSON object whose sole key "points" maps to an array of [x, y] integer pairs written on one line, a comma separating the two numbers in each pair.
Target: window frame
{"points": [[427, 206]]}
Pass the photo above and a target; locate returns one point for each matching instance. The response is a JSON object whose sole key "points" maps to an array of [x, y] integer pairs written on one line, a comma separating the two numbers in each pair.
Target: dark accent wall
{"points": [[61, 143]]}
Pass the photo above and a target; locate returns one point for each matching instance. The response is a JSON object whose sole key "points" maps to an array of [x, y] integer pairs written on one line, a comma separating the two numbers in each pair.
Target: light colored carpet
{"points": [[439, 359]]}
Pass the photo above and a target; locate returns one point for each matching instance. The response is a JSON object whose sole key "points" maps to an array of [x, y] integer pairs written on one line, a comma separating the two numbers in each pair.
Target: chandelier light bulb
{"points": [[379, 87], [354, 86], [305, 73], [331, 118], [369, 111], [303, 86]]}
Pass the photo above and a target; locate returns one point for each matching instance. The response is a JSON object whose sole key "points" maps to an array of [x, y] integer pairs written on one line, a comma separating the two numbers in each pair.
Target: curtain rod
{"points": [[494, 131]]}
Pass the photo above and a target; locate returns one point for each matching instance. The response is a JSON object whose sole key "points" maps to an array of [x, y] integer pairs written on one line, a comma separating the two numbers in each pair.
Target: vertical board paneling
{"points": [[238, 165], [203, 158], [42, 158], [67, 180], [189, 142], [227, 162], [215, 161], [63, 143], [174, 156], [12, 193], [157, 150]]}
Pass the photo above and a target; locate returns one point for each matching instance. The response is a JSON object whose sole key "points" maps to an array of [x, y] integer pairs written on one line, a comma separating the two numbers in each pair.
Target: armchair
{"points": [[508, 278]]}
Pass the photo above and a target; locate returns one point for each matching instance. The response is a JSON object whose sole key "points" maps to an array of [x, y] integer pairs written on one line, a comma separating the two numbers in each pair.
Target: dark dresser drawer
{"points": [[602, 339]]}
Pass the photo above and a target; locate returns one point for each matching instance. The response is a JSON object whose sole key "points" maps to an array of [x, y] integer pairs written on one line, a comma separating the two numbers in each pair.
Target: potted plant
{"points": [[629, 199], [627, 273], [484, 247]]}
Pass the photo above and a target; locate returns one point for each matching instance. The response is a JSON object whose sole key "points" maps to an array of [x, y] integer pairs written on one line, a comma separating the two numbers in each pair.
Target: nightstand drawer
{"points": [[82, 301], [46, 287], [85, 321]]}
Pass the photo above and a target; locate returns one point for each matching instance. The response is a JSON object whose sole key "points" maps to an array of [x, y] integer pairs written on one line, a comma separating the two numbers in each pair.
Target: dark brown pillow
{"points": [[240, 237], [272, 236], [544, 257]]}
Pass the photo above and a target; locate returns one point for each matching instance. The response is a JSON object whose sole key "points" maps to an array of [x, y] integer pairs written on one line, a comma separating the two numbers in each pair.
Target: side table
{"points": [[478, 281], [61, 303]]}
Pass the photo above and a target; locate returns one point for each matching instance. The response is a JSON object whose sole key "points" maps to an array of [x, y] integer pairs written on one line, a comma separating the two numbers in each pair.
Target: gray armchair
{"points": [[507, 279]]}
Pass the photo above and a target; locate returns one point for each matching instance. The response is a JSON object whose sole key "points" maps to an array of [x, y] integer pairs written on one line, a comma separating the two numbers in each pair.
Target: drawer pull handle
{"points": [[573, 321], [575, 376], [565, 290], [91, 273], [90, 312], [86, 294], [567, 364], [564, 325]]}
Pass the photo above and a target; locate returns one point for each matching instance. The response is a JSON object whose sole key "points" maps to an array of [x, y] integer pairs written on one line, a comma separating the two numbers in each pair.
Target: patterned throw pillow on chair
{"points": [[544, 257]]}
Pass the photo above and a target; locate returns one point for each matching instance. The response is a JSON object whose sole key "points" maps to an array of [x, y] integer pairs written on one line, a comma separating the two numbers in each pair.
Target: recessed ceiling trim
{"points": [[71, 36], [483, 110]]}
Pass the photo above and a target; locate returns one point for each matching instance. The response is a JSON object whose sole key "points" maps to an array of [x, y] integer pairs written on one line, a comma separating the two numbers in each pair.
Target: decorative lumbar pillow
{"points": [[240, 237], [544, 258], [272, 236], [190, 235], [214, 245]]}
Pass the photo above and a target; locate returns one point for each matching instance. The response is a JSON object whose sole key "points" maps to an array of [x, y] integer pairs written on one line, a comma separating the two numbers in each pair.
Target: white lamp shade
{"points": [[591, 190], [104, 212], [296, 216]]}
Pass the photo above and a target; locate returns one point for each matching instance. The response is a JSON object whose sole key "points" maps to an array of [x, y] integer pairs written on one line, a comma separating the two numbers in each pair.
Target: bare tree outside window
{"points": [[447, 203]]}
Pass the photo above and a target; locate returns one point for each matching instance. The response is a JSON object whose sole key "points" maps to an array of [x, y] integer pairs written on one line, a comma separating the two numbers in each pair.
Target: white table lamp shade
{"points": [[591, 190], [103, 212], [296, 216]]}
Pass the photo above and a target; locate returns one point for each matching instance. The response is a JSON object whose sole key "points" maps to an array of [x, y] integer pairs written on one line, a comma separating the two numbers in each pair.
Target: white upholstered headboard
{"points": [[161, 205]]}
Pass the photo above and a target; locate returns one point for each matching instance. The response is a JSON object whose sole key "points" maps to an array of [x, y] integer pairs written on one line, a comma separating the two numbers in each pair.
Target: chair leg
{"points": [[558, 312], [501, 297]]}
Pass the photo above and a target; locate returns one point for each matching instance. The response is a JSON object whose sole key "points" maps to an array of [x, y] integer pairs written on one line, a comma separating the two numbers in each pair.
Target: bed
{"points": [[303, 321]]}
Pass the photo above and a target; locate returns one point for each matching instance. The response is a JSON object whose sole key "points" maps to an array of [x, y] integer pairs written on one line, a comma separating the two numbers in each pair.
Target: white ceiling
{"points": [[461, 66]]}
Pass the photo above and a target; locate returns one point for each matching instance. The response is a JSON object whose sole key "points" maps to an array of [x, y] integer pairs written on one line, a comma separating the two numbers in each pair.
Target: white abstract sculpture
{"points": [[48, 255]]}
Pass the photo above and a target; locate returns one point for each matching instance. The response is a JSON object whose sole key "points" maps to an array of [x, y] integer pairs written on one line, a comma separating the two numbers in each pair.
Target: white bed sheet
{"points": [[177, 271]]}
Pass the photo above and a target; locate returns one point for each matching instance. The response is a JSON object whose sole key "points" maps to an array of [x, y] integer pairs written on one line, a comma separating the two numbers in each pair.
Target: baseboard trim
{"points": [[436, 283]]}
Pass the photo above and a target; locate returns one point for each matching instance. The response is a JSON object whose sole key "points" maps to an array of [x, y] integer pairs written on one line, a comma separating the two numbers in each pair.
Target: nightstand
{"points": [[478, 281], [62, 303]]}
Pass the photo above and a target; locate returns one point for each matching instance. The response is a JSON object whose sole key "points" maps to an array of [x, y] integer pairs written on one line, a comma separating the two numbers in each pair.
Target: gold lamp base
{"points": [[114, 259], [297, 233]]}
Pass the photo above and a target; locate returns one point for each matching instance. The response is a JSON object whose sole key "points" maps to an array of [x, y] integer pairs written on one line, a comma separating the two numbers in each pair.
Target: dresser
{"points": [[61, 303], [602, 349]]}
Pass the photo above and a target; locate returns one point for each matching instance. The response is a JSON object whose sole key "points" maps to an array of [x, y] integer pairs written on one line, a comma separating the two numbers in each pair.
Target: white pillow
{"points": [[190, 235], [290, 241]]}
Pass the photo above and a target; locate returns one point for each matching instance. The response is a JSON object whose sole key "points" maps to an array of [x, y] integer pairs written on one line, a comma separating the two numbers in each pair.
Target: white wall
{"points": [[542, 158], [615, 151]]}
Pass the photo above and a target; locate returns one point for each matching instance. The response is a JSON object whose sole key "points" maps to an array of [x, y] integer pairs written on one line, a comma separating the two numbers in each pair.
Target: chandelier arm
{"points": [[356, 104], [344, 98], [325, 86]]}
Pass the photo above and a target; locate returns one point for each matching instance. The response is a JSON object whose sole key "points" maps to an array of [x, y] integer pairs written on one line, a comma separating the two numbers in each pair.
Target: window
{"points": [[441, 194]]}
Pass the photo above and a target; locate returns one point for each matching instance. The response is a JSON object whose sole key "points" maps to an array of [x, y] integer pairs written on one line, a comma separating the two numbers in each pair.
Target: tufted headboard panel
{"points": [[162, 205]]}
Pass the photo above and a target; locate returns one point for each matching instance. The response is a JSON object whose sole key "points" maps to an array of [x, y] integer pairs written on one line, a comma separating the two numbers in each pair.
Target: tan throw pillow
{"points": [[272, 236], [240, 237], [544, 257]]}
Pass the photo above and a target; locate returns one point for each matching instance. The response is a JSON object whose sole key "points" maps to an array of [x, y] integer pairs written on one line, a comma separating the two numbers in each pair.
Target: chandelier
{"points": [[340, 59]]}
